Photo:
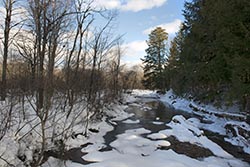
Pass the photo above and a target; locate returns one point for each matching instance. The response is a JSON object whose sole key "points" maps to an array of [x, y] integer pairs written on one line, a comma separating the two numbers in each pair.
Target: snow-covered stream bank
{"points": [[226, 121], [150, 135]]}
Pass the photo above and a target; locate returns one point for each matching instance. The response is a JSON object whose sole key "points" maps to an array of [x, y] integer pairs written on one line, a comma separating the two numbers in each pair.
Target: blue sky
{"points": [[138, 17], [134, 23]]}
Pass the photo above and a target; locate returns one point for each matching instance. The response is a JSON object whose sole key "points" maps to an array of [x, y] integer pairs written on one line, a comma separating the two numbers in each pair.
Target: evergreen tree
{"points": [[205, 68], [236, 41], [214, 61], [155, 59], [174, 64]]}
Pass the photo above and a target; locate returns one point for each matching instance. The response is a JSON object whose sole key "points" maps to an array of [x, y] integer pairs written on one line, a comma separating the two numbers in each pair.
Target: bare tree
{"points": [[88, 54], [84, 14], [131, 78], [115, 66], [47, 20], [25, 46], [101, 46], [58, 21], [8, 4]]}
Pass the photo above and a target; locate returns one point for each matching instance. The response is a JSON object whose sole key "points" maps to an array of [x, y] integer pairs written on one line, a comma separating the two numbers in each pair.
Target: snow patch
{"points": [[162, 143], [185, 131], [158, 123], [129, 121], [157, 136], [213, 119]]}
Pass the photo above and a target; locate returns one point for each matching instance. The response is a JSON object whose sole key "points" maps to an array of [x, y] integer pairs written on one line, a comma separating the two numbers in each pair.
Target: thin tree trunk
{"points": [[8, 8]]}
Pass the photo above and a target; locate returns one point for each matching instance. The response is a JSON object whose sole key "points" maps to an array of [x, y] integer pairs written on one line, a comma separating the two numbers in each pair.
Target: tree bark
{"points": [[8, 8]]}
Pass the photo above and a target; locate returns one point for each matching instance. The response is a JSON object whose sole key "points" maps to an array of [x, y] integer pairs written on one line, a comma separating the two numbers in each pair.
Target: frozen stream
{"points": [[154, 116], [132, 137]]}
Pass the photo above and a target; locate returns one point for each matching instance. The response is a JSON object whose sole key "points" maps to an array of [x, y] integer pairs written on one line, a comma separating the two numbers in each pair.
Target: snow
{"points": [[184, 131], [157, 122], [134, 105], [179, 119], [217, 117], [163, 143], [186, 104], [158, 158], [131, 142], [114, 159], [103, 127], [24, 135], [7, 148], [129, 121], [118, 112], [146, 108], [130, 149], [145, 94], [242, 138], [95, 138], [157, 136]]}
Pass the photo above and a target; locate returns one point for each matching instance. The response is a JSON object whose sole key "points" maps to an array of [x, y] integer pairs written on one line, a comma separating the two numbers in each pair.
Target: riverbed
{"points": [[141, 138]]}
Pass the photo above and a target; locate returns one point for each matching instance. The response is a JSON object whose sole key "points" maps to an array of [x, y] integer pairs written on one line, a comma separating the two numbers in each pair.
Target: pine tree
{"points": [[236, 37], [173, 67], [215, 54], [155, 59], [205, 64]]}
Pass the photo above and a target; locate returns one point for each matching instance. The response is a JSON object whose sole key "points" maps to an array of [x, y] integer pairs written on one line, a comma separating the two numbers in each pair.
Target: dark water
{"points": [[165, 114], [147, 117], [233, 150], [158, 110]]}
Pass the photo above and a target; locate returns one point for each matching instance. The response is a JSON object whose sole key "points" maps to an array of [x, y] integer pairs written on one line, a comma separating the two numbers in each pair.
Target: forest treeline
{"points": [[61, 68], [57, 46], [209, 58]]}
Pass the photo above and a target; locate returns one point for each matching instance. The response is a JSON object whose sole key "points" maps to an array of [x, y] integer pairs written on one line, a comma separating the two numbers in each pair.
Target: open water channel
{"points": [[154, 111]]}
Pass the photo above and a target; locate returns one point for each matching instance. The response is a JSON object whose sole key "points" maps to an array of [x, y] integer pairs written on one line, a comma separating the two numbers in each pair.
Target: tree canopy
{"points": [[155, 59], [210, 56]]}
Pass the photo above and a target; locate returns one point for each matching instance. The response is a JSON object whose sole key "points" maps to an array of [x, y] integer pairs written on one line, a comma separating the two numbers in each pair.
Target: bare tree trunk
{"points": [[90, 95], [8, 8], [68, 70], [117, 69], [81, 18], [50, 72], [37, 15]]}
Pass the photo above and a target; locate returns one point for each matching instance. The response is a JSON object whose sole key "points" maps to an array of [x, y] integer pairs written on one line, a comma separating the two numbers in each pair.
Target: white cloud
{"points": [[170, 28], [130, 64], [108, 4], [136, 46], [138, 5], [134, 51], [130, 5]]}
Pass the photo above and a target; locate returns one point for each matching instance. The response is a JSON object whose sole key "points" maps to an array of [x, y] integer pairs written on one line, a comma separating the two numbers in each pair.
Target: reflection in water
{"points": [[156, 111], [153, 110]]}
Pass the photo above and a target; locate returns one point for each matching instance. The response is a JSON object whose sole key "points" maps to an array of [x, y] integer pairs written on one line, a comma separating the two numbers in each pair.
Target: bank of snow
{"points": [[227, 121], [23, 137], [131, 149], [214, 119]]}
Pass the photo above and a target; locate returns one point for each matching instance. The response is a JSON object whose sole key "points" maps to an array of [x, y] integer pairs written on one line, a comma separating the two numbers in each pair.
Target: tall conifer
{"points": [[155, 59]]}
